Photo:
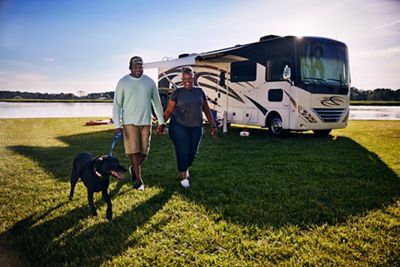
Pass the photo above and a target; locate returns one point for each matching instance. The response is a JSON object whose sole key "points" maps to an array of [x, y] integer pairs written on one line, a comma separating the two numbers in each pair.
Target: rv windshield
{"points": [[324, 67]]}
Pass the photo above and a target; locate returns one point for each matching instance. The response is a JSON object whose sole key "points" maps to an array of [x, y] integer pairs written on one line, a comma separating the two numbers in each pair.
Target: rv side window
{"points": [[277, 59], [243, 71], [275, 95]]}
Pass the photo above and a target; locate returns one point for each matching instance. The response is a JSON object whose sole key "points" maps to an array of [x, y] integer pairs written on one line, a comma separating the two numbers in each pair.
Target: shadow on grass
{"points": [[60, 240], [259, 180]]}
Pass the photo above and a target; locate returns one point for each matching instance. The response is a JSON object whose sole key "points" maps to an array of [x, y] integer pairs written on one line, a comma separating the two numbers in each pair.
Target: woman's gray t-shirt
{"points": [[189, 106]]}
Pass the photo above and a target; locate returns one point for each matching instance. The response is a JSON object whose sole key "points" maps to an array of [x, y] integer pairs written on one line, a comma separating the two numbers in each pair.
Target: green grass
{"points": [[253, 201]]}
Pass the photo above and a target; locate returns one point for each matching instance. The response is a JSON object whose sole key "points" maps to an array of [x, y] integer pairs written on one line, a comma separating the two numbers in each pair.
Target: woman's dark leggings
{"points": [[186, 141]]}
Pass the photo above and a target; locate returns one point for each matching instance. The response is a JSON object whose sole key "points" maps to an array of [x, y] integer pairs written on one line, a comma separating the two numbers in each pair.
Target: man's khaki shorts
{"points": [[137, 139]]}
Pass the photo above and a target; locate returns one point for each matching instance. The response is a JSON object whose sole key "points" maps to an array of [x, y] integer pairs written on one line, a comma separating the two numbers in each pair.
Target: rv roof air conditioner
{"points": [[186, 55], [269, 37]]}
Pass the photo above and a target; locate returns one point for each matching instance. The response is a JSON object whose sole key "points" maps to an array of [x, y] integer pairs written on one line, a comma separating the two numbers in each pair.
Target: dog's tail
{"points": [[74, 179]]}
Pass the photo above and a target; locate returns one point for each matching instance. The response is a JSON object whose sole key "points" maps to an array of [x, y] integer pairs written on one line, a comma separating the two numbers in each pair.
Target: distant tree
{"points": [[357, 94], [379, 94], [382, 94], [81, 93]]}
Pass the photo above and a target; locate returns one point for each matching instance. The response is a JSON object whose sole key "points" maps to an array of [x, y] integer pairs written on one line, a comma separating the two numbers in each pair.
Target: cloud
{"points": [[15, 63], [40, 83], [387, 25], [17, 81], [379, 53], [48, 59], [148, 55], [30, 78]]}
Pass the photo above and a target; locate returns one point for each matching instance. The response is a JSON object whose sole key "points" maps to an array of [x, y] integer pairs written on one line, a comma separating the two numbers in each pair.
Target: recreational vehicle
{"points": [[283, 83]]}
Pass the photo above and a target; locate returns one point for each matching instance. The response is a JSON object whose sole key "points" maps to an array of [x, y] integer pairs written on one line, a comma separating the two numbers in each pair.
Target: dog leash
{"points": [[116, 137]]}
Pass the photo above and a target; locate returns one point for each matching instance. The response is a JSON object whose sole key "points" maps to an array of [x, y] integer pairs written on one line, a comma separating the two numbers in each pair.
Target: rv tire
{"points": [[275, 127]]}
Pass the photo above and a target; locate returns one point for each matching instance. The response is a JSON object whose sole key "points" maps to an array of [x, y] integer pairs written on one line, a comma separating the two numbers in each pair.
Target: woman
{"points": [[185, 108]]}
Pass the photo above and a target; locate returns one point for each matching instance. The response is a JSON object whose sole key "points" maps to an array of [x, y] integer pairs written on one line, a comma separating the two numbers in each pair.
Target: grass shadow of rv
{"points": [[301, 179]]}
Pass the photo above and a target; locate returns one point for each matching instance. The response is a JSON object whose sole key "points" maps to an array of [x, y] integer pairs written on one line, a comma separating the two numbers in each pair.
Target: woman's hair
{"points": [[187, 69]]}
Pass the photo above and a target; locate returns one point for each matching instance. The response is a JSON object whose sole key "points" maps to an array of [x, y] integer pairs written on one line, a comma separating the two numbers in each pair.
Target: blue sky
{"points": [[71, 45]]}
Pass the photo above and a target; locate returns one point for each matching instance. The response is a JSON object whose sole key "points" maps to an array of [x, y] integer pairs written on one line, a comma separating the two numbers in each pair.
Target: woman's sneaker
{"points": [[185, 183]]}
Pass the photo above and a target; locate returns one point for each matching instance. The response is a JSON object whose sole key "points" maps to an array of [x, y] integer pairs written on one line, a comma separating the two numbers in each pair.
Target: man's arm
{"points": [[117, 105], [157, 105]]}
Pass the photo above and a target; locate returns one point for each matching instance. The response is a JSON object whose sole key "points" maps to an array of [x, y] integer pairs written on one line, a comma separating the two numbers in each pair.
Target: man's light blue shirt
{"points": [[133, 99]]}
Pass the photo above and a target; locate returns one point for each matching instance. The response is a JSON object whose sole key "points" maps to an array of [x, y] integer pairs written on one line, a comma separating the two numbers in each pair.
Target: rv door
{"points": [[279, 101]]}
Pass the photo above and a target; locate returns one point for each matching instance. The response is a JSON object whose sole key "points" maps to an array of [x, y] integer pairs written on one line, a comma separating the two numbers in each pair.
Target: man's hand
{"points": [[160, 129]]}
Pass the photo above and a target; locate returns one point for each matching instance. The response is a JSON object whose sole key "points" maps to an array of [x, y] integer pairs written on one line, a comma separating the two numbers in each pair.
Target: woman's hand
{"points": [[160, 129], [214, 131]]}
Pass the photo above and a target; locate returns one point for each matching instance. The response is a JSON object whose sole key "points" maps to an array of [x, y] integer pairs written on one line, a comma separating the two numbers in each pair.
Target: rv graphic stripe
{"points": [[168, 79], [291, 100], [258, 105], [230, 92]]}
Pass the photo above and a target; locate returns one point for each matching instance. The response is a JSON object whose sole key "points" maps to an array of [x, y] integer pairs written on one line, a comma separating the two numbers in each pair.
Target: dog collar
{"points": [[97, 173], [95, 170]]}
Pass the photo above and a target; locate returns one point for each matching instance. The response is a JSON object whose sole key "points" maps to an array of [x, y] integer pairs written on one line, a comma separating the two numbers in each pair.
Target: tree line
{"points": [[379, 94], [60, 96]]}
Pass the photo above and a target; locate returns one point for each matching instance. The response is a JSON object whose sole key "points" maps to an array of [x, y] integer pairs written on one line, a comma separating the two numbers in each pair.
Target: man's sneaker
{"points": [[185, 183], [132, 173], [139, 186]]}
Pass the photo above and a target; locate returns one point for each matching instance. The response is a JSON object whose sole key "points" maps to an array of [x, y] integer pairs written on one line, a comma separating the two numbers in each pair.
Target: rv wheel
{"points": [[275, 127], [322, 132]]}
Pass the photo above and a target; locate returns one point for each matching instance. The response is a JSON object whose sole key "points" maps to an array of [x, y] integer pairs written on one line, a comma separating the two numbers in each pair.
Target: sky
{"points": [[83, 46]]}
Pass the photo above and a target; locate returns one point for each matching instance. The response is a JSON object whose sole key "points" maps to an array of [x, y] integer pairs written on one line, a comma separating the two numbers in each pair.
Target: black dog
{"points": [[95, 174]]}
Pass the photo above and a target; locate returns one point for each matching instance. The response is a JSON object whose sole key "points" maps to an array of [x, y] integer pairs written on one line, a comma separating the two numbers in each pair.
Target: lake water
{"points": [[64, 110], [54, 110]]}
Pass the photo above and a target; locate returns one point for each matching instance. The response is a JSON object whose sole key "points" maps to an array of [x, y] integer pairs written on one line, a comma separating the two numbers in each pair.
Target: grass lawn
{"points": [[253, 201]]}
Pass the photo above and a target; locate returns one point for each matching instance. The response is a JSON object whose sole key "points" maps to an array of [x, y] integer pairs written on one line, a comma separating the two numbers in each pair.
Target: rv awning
{"points": [[189, 60], [220, 54], [224, 55]]}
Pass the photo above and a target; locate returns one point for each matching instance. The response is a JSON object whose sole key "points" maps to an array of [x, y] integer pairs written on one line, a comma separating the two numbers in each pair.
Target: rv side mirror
{"points": [[222, 78], [286, 73]]}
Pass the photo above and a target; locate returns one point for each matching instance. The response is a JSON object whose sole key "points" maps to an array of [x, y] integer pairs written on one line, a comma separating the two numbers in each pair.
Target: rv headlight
{"points": [[302, 111], [305, 114]]}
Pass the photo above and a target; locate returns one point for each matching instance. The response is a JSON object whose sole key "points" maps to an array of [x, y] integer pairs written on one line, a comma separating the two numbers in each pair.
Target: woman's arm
{"points": [[167, 115], [211, 121], [170, 108]]}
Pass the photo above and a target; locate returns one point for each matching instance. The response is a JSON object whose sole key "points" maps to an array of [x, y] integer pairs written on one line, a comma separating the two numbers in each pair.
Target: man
{"points": [[134, 96]]}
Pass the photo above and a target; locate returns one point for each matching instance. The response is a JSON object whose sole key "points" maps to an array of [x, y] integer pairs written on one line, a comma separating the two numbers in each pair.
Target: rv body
{"points": [[283, 83]]}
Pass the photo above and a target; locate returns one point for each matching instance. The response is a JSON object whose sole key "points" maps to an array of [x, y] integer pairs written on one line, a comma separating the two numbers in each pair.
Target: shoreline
{"points": [[352, 103]]}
